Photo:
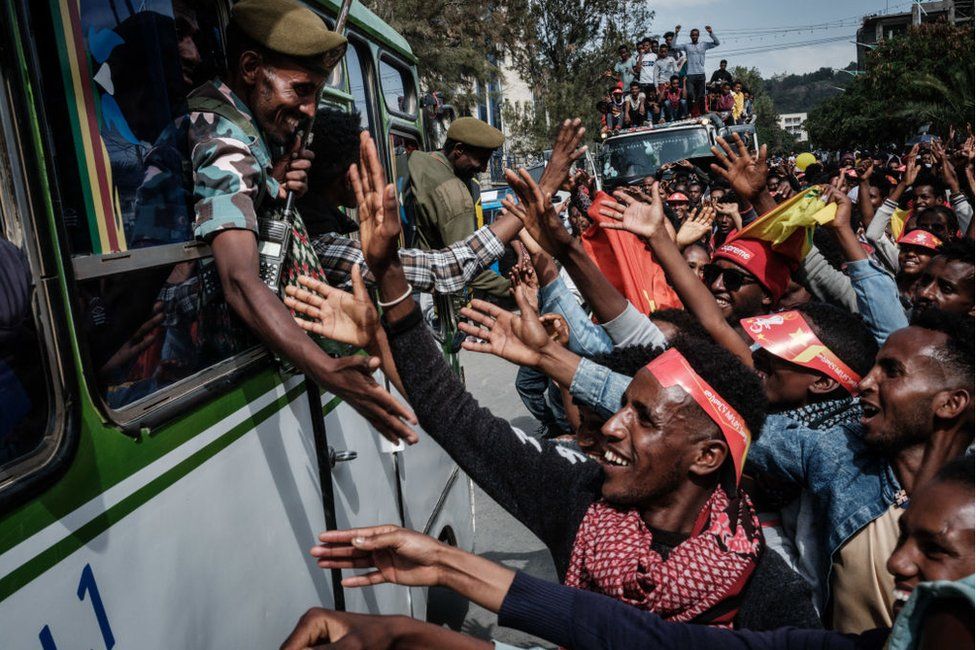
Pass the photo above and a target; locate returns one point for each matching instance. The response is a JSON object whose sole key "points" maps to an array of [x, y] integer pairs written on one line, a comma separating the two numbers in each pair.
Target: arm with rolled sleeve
{"points": [[878, 301], [877, 234], [827, 283], [598, 387], [632, 328], [445, 271], [964, 211]]}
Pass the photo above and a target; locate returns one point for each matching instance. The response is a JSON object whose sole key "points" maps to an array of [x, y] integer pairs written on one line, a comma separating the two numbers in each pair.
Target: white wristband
{"points": [[397, 301]]}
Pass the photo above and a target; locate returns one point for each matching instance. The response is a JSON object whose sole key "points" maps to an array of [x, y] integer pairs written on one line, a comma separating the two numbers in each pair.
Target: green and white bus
{"points": [[161, 480]]}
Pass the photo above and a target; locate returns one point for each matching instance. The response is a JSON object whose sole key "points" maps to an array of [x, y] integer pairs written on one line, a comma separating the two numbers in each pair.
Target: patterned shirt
{"points": [[231, 169], [444, 271]]}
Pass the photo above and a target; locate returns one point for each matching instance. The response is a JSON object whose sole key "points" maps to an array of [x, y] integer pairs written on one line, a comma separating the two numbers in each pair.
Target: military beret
{"points": [[474, 132], [288, 28]]}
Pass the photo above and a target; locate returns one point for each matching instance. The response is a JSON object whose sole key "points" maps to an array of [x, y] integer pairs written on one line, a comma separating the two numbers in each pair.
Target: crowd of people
{"points": [[759, 378], [664, 81]]}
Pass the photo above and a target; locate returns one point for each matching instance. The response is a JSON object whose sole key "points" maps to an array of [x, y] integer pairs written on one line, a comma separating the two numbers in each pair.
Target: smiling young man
{"points": [[917, 399], [663, 500]]}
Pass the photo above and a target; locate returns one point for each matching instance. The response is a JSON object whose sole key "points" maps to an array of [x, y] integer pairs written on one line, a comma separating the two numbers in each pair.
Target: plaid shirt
{"points": [[443, 271]]}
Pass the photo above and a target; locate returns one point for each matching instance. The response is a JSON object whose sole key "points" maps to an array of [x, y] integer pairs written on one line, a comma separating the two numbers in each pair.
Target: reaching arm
{"points": [[236, 256], [695, 295]]}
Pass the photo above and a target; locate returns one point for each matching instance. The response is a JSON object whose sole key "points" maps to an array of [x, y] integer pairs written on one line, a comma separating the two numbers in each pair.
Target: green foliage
{"points": [[561, 49], [454, 41], [776, 139], [801, 93], [922, 77]]}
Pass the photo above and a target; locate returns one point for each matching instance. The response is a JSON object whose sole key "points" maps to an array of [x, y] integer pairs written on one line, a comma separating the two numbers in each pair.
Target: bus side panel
{"points": [[365, 495], [217, 560]]}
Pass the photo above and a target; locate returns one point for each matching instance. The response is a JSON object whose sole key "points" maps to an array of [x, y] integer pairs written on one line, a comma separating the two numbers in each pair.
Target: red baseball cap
{"points": [[676, 197], [757, 256]]}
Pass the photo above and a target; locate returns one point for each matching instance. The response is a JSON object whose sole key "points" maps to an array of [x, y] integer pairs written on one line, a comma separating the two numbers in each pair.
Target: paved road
{"points": [[499, 536]]}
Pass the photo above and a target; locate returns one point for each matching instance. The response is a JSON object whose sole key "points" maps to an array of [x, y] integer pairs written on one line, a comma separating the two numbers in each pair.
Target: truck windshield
{"points": [[638, 156]]}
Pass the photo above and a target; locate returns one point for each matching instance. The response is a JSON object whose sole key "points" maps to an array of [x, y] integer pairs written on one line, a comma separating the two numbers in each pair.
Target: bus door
{"points": [[425, 465]]}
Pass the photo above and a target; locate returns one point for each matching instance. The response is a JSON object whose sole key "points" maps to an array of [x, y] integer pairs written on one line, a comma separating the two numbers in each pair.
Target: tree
{"points": [[922, 77], [561, 48], [453, 40], [777, 139]]}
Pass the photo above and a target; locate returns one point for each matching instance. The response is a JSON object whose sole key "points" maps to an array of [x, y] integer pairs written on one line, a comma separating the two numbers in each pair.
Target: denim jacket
{"points": [[878, 301], [587, 339], [598, 387], [851, 486]]}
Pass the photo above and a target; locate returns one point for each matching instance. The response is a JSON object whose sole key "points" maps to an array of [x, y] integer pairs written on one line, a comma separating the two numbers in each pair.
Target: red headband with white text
{"points": [[787, 336], [672, 369]]}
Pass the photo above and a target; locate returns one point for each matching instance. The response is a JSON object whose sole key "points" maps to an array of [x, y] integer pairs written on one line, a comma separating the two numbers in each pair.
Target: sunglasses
{"points": [[732, 279]]}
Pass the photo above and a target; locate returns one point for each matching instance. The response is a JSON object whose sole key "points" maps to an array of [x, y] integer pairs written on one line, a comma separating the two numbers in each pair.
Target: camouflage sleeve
{"points": [[227, 176]]}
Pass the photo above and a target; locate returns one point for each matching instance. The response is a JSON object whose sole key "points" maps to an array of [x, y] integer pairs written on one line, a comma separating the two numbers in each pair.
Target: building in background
{"points": [[793, 123], [877, 27]]}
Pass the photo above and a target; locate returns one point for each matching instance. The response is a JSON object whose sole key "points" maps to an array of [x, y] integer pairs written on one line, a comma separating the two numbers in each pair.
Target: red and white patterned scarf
{"points": [[703, 577]]}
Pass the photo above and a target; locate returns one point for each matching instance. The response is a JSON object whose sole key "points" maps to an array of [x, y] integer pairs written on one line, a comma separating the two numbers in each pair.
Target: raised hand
{"points": [[696, 226], [731, 210], [565, 151], [379, 219], [400, 556], [948, 172], [519, 339], [643, 219], [835, 194], [523, 274], [911, 167], [538, 215], [337, 315], [556, 327], [745, 173]]}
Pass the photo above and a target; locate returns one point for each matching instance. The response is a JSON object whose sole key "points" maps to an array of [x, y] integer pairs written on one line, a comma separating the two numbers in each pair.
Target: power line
{"points": [[784, 46]]}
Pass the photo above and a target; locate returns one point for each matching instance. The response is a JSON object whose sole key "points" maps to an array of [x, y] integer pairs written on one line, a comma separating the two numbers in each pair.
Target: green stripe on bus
{"points": [[24, 574]]}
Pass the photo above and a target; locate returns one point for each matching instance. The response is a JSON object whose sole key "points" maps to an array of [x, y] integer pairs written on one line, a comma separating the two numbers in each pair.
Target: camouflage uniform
{"points": [[232, 180]]}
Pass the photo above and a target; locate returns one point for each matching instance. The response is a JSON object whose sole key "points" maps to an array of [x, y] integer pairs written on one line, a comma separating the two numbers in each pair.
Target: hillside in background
{"points": [[800, 93]]}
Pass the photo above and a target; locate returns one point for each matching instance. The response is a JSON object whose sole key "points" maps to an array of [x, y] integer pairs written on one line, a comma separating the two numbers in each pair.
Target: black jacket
{"points": [[546, 485]]}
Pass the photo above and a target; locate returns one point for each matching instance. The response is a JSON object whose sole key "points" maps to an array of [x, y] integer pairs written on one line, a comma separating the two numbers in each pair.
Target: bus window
{"points": [[142, 60], [358, 85], [149, 326], [23, 381], [397, 88]]}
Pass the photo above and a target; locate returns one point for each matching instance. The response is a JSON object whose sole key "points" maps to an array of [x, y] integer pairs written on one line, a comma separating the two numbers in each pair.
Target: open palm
{"points": [[518, 339], [378, 212], [744, 172], [400, 556], [334, 313]]}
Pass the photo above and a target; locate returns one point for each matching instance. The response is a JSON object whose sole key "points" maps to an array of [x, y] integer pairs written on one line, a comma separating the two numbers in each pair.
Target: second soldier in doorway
{"points": [[444, 195]]}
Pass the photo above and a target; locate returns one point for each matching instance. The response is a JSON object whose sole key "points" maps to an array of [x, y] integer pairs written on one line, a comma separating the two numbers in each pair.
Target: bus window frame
{"points": [[23, 179], [410, 85]]}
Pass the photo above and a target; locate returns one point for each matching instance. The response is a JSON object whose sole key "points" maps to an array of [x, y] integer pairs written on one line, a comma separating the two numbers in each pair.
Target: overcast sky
{"points": [[749, 24]]}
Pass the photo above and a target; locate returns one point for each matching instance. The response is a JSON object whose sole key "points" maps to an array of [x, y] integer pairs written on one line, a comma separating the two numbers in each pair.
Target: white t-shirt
{"points": [[646, 64]]}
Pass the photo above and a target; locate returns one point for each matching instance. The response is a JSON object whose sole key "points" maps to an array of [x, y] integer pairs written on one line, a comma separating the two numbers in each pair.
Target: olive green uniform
{"points": [[444, 206]]}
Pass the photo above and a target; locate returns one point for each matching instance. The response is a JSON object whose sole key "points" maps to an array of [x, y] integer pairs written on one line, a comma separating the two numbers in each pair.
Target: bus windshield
{"points": [[639, 156]]}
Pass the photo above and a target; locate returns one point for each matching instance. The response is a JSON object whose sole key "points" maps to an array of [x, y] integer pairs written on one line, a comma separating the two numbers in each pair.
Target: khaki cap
{"points": [[288, 28], [474, 132]]}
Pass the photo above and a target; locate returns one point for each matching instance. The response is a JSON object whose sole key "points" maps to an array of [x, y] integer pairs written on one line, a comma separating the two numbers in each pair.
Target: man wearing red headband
{"points": [[659, 521], [747, 277]]}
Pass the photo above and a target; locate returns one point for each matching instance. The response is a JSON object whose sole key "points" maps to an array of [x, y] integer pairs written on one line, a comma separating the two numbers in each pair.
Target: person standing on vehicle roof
{"points": [[247, 155], [444, 195], [695, 52]]}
